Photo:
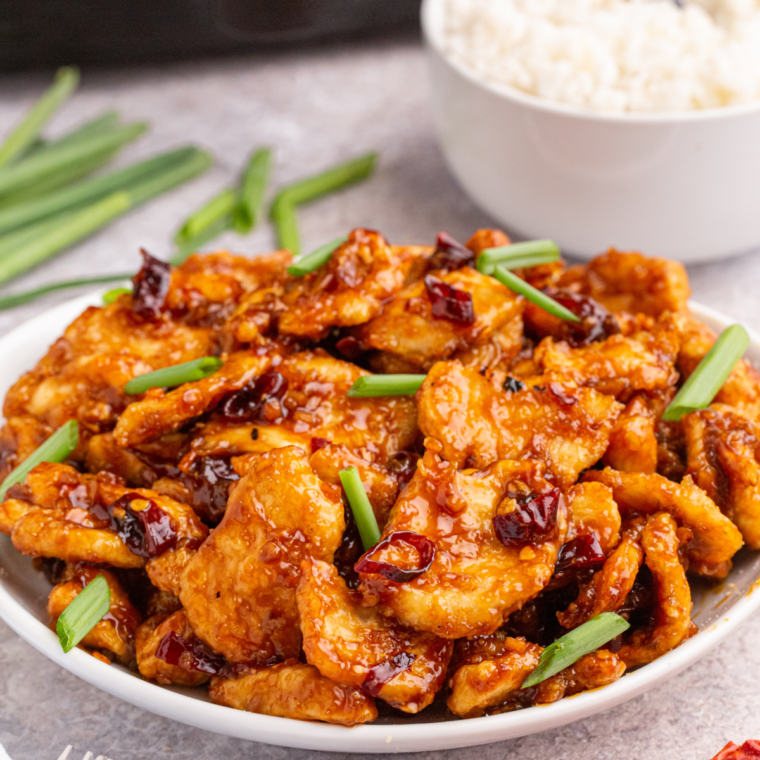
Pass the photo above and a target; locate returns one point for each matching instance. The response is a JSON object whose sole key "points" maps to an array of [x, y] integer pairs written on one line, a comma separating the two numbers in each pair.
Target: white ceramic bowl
{"points": [[23, 594], [683, 185]]}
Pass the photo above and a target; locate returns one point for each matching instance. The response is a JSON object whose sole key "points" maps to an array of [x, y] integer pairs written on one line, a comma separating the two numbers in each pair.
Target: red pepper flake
{"points": [[582, 553], [143, 526], [448, 302], [191, 655], [385, 671], [150, 286], [534, 519], [750, 750], [425, 549], [247, 403], [450, 253], [318, 443]]}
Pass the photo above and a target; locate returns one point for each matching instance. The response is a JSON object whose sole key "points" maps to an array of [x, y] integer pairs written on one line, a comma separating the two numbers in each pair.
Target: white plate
{"points": [[23, 593]]}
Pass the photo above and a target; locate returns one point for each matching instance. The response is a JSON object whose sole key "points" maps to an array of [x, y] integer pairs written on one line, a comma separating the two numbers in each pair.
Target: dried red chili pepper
{"points": [[350, 347], [318, 443], [247, 403], [450, 253], [150, 286], [534, 518], [385, 671], [582, 553], [449, 303], [147, 532], [425, 549], [596, 324], [191, 655]]}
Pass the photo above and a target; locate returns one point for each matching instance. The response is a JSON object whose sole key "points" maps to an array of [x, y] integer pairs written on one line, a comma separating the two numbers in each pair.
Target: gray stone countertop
{"points": [[316, 108]]}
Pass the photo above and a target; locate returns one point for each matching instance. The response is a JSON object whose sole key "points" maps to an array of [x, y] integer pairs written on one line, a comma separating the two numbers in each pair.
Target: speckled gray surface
{"points": [[317, 108]]}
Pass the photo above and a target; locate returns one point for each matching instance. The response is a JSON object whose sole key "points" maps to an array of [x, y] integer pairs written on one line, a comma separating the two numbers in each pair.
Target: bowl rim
{"points": [[184, 706], [430, 15]]}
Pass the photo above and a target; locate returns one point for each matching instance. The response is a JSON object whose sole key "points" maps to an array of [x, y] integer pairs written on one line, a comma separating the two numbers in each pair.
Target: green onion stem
{"points": [[360, 506], [252, 190], [514, 283], [710, 374], [111, 295], [568, 649], [189, 247], [219, 207], [286, 225], [316, 259], [57, 448], [370, 386], [196, 162], [172, 376], [65, 82], [17, 299], [518, 255], [84, 613], [45, 163]]}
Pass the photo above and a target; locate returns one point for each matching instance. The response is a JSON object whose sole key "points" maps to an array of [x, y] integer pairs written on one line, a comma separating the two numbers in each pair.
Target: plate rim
{"points": [[372, 738]]}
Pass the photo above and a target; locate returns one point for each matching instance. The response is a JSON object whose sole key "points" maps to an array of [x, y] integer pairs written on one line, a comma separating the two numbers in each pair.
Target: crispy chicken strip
{"points": [[294, 690], [633, 442], [716, 538], [592, 671], [673, 618], [478, 422], [474, 582], [358, 646], [592, 511], [239, 590]]}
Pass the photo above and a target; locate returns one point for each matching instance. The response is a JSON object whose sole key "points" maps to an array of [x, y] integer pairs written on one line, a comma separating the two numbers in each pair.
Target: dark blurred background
{"points": [[35, 33]]}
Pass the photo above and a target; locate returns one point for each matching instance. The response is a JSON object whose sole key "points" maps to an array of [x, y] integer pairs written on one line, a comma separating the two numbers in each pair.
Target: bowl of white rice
{"points": [[625, 123]]}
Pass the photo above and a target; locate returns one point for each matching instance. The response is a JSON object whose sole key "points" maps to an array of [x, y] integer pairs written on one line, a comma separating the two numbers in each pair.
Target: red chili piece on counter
{"points": [[150, 286], [425, 549], [450, 253], [189, 655], [247, 403], [532, 520], [750, 750], [448, 302], [145, 528], [380, 674], [582, 553]]}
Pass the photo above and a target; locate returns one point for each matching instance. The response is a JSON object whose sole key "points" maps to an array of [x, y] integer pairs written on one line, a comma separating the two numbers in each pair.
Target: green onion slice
{"points": [[111, 295], [252, 189], [286, 225], [84, 613], [708, 378], [65, 82], [57, 448], [513, 282], [572, 646], [179, 374], [194, 245], [360, 506], [369, 386], [316, 259], [518, 255], [219, 207]]}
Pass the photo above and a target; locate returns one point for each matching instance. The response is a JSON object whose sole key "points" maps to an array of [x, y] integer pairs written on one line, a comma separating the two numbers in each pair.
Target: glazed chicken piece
{"points": [[428, 320], [633, 443], [592, 512], [461, 579], [723, 449], [294, 690], [357, 646], [188, 662], [631, 282], [115, 633], [715, 538], [239, 590], [479, 420], [672, 624], [302, 400], [349, 289], [742, 387]]}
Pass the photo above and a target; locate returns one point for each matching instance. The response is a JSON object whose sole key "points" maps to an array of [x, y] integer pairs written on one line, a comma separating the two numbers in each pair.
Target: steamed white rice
{"points": [[612, 55]]}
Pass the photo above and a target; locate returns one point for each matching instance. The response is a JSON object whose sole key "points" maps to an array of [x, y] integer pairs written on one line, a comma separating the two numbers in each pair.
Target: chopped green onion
{"points": [[17, 299], [513, 282], [360, 506], [97, 126], [193, 245], [169, 377], [286, 226], [14, 261], [84, 613], [518, 255], [57, 448], [46, 163], [316, 259], [708, 378], [252, 189], [329, 181], [219, 207], [82, 193], [65, 82], [369, 386], [568, 649], [111, 295]]}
